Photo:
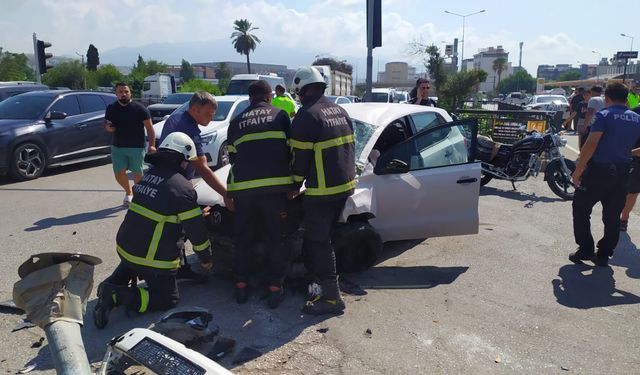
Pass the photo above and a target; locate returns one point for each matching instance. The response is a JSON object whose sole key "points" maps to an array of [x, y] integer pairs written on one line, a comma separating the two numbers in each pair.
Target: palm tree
{"points": [[243, 41], [499, 65]]}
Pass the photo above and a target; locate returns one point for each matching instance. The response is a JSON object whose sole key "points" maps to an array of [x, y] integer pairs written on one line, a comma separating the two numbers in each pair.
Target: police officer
{"points": [[258, 182], [283, 102], [146, 240], [602, 175], [324, 156]]}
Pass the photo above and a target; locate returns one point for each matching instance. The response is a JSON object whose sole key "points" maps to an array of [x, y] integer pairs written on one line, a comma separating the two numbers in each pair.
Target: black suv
{"points": [[43, 129]]}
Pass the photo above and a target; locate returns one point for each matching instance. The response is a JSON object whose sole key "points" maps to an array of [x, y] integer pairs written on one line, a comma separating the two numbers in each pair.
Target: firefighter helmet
{"points": [[305, 76], [180, 143]]}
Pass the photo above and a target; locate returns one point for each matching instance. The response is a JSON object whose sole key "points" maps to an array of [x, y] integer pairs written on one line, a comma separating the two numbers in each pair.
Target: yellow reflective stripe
{"points": [[331, 190], [231, 149], [155, 240], [204, 246], [297, 178], [190, 214], [319, 168], [301, 145], [162, 264], [263, 182], [144, 300], [334, 142], [276, 134], [143, 211]]}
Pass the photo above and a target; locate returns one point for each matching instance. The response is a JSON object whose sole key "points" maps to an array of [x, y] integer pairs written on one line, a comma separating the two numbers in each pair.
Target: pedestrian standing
{"points": [[634, 186], [164, 202], [283, 102], [575, 108], [602, 175], [634, 96], [324, 157], [420, 93], [594, 104], [258, 182], [127, 121]]}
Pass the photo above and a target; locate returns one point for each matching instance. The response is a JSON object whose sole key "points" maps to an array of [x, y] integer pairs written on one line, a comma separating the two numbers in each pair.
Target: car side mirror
{"points": [[393, 166], [55, 115]]}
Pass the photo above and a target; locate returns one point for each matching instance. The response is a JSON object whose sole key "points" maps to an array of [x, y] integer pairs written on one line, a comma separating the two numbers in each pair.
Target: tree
{"points": [[499, 66], [243, 41], [93, 58], [571, 75], [520, 80], [340, 66], [458, 87], [200, 85], [434, 64], [141, 70], [108, 75], [15, 67], [186, 71], [69, 74], [223, 74]]}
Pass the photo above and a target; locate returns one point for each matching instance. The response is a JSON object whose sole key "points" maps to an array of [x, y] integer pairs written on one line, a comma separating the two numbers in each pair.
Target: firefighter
{"points": [[324, 156], [258, 182], [164, 200]]}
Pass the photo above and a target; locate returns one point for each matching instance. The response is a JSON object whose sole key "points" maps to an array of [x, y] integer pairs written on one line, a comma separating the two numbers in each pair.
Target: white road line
{"points": [[573, 149]]}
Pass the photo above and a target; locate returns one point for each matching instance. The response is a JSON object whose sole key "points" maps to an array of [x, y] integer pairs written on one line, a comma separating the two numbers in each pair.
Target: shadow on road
{"points": [[531, 199], [584, 287], [627, 255], [419, 277], [75, 219]]}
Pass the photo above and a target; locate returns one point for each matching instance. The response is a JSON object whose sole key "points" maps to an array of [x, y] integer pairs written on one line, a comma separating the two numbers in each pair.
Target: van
{"points": [[9, 89], [157, 87], [382, 95], [239, 83]]}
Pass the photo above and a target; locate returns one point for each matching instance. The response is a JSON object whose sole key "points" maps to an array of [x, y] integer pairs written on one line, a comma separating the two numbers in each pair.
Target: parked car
{"points": [[381, 95], [551, 103], [42, 129], [402, 97], [214, 135], [338, 99], [9, 89], [516, 98], [160, 110], [416, 178]]}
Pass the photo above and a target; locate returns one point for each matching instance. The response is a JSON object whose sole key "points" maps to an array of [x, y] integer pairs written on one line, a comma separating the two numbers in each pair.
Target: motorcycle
{"points": [[524, 158]]}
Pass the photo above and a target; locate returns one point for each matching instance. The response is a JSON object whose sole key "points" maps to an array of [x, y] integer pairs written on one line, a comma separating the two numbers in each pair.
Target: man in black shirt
{"points": [[127, 120], [420, 93]]}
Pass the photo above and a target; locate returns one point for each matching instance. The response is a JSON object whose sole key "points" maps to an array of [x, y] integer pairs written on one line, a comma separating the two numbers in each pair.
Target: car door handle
{"points": [[82, 126], [467, 180]]}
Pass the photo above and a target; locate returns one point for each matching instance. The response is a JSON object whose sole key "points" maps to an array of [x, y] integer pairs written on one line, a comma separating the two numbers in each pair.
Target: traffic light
{"points": [[448, 50], [43, 56]]}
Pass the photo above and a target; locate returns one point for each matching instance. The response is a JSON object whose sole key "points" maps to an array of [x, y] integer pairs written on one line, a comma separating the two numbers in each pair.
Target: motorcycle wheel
{"points": [[485, 179], [558, 181]]}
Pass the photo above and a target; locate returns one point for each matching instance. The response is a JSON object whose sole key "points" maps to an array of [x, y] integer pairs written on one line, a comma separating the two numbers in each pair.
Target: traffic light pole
{"points": [[36, 58]]}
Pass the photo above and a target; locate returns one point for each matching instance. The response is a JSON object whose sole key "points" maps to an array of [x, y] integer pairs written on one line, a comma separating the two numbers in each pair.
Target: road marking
{"points": [[573, 149]]}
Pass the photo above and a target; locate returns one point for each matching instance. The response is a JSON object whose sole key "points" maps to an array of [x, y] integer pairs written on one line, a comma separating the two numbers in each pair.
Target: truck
{"points": [[338, 83], [239, 83], [157, 87]]}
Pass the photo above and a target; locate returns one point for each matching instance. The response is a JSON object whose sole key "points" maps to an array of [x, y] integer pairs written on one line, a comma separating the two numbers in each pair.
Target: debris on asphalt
{"points": [[498, 359], [74, 233], [221, 348], [322, 330], [25, 324], [247, 323], [246, 354], [27, 369], [564, 368], [368, 333], [38, 343]]}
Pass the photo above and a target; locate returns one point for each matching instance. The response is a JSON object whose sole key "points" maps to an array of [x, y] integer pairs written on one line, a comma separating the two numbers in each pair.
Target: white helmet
{"points": [[305, 76], [180, 143]]}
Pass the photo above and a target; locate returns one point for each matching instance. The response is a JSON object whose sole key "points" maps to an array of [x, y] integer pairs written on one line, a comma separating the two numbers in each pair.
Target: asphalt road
{"points": [[503, 301]]}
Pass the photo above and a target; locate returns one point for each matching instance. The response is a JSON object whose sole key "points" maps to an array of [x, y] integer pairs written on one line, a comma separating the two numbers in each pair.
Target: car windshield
{"points": [[380, 97], [177, 99], [22, 107], [550, 98], [362, 131], [239, 86], [332, 98], [221, 112]]}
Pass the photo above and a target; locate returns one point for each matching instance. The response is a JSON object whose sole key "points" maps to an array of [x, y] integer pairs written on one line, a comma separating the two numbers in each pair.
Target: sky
{"points": [[553, 32]]}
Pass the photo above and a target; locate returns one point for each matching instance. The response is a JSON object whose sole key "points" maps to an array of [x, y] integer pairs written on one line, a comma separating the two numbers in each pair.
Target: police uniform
{"points": [[605, 180], [164, 201], [258, 181], [324, 157]]}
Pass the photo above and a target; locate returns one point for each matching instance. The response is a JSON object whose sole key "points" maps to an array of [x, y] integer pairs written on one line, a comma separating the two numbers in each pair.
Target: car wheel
{"points": [[223, 155], [28, 162], [357, 246]]}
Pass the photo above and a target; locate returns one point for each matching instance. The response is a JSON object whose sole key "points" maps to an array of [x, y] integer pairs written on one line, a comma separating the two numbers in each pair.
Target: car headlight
{"points": [[209, 138]]}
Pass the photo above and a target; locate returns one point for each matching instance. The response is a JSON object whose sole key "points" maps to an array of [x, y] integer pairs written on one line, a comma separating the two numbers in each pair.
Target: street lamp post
{"points": [[628, 36], [84, 71], [463, 16], [597, 65]]}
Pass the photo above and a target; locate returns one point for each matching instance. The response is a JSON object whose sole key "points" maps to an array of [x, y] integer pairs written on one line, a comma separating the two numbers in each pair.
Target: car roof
{"points": [[62, 92], [231, 98], [381, 114]]}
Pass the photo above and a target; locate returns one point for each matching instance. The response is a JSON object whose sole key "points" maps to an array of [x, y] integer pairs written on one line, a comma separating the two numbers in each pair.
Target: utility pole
{"points": [[374, 39], [84, 72]]}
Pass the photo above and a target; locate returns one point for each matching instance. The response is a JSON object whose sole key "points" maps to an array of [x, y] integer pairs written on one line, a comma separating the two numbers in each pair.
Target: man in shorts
{"points": [[634, 187], [127, 120]]}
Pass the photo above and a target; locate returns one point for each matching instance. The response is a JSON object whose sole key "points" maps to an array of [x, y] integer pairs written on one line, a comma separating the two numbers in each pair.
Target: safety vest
{"points": [[284, 103], [258, 151], [164, 203], [323, 149]]}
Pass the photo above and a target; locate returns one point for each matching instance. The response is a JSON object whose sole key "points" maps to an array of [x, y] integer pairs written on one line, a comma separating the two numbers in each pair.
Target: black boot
{"points": [[329, 302], [109, 296], [242, 292], [275, 296]]}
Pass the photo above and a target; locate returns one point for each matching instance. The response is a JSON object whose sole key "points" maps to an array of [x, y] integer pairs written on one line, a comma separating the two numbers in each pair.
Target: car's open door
{"points": [[428, 185]]}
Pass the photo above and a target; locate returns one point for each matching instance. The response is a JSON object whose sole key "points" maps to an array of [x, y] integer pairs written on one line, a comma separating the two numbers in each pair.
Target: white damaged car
{"points": [[416, 178]]}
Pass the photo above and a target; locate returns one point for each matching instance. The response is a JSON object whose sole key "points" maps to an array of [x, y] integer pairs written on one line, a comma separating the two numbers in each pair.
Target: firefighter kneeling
{"points": [[164, 201]]}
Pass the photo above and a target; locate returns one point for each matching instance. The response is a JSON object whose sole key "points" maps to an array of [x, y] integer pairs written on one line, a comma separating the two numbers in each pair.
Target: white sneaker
{"points": [[127, 200]]}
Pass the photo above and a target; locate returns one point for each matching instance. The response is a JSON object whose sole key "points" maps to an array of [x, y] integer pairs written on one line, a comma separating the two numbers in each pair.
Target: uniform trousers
{"points": [[161, 292]]}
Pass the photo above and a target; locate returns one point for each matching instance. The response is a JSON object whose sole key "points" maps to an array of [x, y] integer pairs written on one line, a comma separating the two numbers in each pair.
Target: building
{"points": [[551, 72], [397, 74], [483, 60]]}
